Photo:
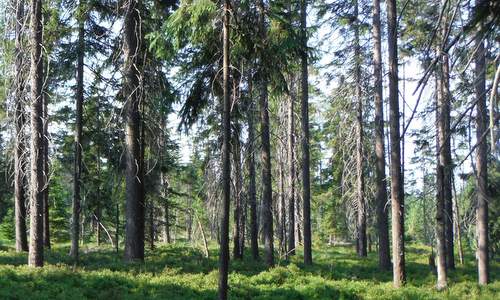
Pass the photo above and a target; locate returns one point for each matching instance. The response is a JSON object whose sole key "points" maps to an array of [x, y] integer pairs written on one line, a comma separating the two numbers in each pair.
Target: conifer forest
{"points": [[249, 149]]}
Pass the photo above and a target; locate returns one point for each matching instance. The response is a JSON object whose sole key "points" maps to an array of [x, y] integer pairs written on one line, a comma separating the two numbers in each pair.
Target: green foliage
{"points": [[180, 272], [7, 229]]}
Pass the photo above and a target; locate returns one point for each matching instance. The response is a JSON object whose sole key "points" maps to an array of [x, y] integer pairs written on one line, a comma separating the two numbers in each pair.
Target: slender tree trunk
{"points": [[440, 178], [397, 190], [306, 187], [75, 225], [447, 163], [238, 194], [265, 154], [381, 192], [134, 210], [252, 197], [226, 163], [282, 206], [481, 163], [45, 140], [456, 219], [35, 258], [20, 121], [291, 169], [360, 185]]}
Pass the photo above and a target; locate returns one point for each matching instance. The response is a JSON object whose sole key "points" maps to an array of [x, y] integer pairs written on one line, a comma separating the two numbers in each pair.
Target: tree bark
{"points": [[440, 179], [20, 121], [481, 163], [75, 228], [265, 154], [252, 198], [381, 183], [304, 111], [237, 253], [35, 257], [134, 210], [360, 184], [226, 163], [397, 189], [45, 141], [291, 168]]}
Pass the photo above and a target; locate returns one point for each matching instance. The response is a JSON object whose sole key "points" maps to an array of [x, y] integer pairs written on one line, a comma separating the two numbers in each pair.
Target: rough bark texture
{"points": [[381, 192], [226, 163], [304, 111], [20, 121], [134, 195], [75, 228], [397, 189], [238, 220], [360, 184], [35, 257], [291, 169], [481, 164]]}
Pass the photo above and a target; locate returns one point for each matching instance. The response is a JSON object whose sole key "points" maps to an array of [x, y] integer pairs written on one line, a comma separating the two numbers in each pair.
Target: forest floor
{"points": [[179, 271]]}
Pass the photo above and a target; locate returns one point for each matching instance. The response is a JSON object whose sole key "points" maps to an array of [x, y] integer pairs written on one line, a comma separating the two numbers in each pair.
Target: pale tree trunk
{"points": [[397, 189], [360, 184], [481, 163], [35, 258], [440, 178], [75, 225], [306, 186], [226, 163], [20, 147], [45, 140], [134, 194], [381, 193]]}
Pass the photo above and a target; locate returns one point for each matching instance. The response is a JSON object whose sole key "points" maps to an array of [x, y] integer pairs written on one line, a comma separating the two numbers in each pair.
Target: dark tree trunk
{"points": [[265, 153], [446, 154], [20, 121], [291, 169], [304, 111], [134, 210], [237, 253], [397, 189], [226, 163], [481, 163], [35, 258], [75, 228], [252, 197], [381, 193], [360, 184]]}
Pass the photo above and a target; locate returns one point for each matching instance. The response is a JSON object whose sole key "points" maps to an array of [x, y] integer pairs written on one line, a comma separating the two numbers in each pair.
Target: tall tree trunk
{"points": [[381, 192], [282, 206], [397, 189], [440, 181], [134, 210], [20, 121], [456, 222], [237, 193], [265, 154], [35, 257], [226, 163], [481, 163], [45, 141], [304, 111], [75, 225], [252, 197], [360, 185], [291, 168], [447, 163]]}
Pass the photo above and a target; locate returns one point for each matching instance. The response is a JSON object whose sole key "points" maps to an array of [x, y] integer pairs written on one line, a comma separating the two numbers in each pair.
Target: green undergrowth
{"points": [[180, 271]]}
